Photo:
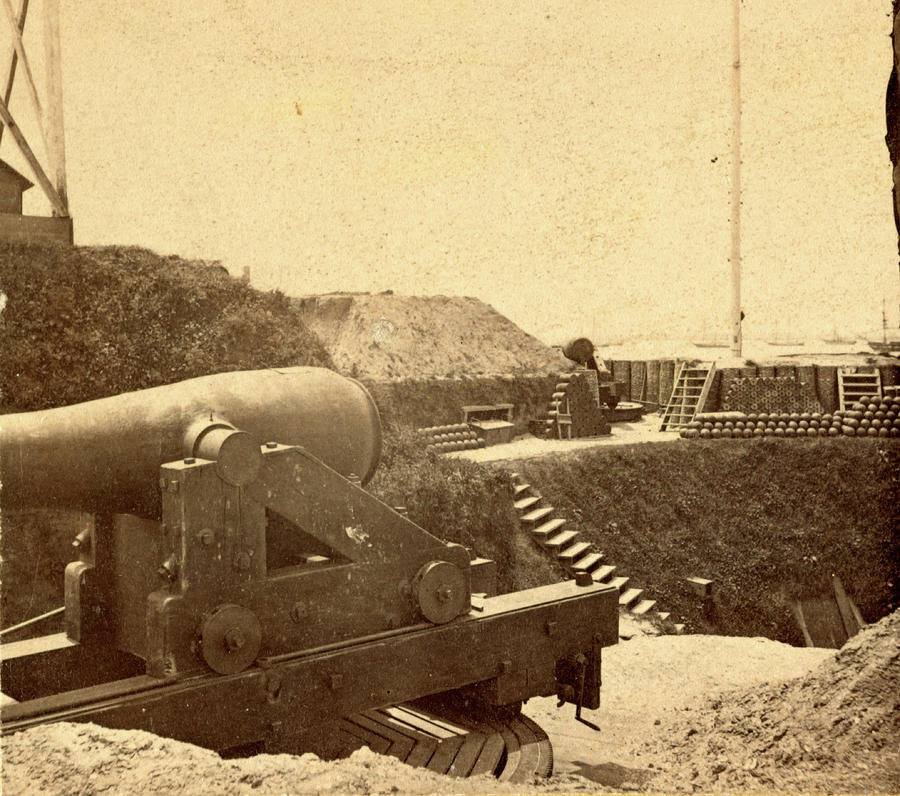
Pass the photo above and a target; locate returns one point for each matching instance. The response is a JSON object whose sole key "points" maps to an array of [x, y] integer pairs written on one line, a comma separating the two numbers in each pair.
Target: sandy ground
{"points": [[649, 680], [527, 446]]}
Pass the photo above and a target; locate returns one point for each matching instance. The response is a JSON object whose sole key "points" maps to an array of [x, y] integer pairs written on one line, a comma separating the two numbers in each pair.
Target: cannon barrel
{"points": [[104, 455], [579, 349]]}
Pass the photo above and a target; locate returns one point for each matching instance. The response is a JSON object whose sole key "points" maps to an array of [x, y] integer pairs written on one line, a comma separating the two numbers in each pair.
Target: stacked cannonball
{"points": [[762, 424], [443, 439], [870, 417]]}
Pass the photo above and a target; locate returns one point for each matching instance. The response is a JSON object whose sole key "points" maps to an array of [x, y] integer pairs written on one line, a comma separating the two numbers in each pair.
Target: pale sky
{"points": [[567, 162]]}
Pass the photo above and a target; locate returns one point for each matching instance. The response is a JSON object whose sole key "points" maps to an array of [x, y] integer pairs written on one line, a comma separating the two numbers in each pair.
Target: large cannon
{"points": [[238, 587], [104, 455]]}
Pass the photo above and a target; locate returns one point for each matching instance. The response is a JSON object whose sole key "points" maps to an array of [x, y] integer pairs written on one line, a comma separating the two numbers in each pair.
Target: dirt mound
{"points": [[834, 730], [389, 336]]}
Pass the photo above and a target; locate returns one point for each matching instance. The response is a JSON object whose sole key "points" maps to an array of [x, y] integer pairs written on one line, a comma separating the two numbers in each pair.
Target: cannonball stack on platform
{"points": [[456, 437], [869, 417], [575, 398]]}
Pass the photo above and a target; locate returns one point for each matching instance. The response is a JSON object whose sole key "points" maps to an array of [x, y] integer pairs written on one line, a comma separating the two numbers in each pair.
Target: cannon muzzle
{"points": [[104, 455]]}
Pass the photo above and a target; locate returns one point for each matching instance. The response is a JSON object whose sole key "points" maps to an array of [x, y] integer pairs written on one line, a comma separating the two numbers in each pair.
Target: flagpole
{"points": [[736, 313]]}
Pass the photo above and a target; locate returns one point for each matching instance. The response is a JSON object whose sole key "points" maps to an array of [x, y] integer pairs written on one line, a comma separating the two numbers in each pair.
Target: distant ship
{"points": [[890, 339], [710, 338], [837, 339], [709, 344], [886, 346], [784, 342]]}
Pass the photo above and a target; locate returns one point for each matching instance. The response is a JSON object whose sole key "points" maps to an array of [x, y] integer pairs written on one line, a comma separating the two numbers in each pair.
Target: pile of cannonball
{"points": [[444, 439], [871, 417], [866, 418]]}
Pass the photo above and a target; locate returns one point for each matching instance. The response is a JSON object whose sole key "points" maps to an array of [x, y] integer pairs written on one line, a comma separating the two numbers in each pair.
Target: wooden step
{"points": [[545, 531], [679, 629], [588, 562], [643, 607], [573, 552], [663, 616], [627, 597], [689, 393], [559, 541], [604, 572], [619, 582], [535, 516], [527, 502], [518, 489]]}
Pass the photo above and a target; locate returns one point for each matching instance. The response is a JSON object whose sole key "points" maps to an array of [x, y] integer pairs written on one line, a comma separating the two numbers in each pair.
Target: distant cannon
{"points": [[580, 350]]}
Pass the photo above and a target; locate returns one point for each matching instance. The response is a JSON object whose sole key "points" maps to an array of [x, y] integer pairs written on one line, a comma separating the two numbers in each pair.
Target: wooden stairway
{"points": [[853, 385], [689, 393], [571, 552]]}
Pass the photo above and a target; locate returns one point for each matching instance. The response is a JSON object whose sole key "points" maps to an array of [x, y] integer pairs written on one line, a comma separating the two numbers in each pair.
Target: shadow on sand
{"points": [[613, 775]]}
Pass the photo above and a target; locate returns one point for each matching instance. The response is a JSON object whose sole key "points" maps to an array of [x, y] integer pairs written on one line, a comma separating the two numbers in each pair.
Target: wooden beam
{"points": [[13, 61], [56, 139], [797, 609], [26, 65], [853, 621], [42, 180]]}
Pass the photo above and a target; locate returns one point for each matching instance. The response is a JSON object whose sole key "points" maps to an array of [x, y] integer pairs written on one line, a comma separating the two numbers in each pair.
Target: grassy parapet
{"points": [[82, 323], [463, 502], [431, 402], [769, 521]]}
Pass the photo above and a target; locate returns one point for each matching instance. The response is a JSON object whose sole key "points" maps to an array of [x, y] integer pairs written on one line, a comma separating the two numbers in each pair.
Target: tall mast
{"points": [[736, 313], [56, 142]]}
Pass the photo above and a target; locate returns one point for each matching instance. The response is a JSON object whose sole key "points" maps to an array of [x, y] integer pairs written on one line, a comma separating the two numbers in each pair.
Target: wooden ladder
{"points": [[689, 393], [853, 385]]}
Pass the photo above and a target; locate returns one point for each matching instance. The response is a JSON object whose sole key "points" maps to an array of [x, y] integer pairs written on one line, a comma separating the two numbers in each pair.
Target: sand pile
{"points": [[385, 336], [836, 729], [87, 759]]}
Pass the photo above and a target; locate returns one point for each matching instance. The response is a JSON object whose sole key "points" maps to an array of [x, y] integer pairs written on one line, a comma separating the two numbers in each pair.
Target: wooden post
{"points": [[39, 175], [736, 313], [26, 66], [56, 141], [13, 61]]}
